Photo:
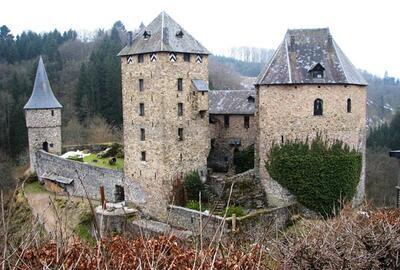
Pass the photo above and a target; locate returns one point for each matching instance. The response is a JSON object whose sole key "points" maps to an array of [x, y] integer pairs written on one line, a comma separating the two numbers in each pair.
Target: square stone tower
{"points": [[43, 117], [309, 87], [165, 111]]}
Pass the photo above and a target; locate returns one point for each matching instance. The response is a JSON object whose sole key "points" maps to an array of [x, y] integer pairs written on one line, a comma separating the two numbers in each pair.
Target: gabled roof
{"points": [[164, 37], [231, 101], [42, 96], [300, 51]]}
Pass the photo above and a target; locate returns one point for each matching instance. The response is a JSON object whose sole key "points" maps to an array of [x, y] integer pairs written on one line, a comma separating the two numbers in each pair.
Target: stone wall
{"points": [[189, 219], [167, 158], [247, 190], [285, 112], [253, 226], [236, 129], [43, 125], [85, 176]]}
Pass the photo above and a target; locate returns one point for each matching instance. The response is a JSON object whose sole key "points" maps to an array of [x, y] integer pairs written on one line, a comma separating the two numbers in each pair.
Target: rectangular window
{"points": [[226, 121], [142, 134], [180, 134], [140, 58], [180, 84], [246, 122], [180, 109], [141, 85], [52, 112], [143, 156], [141, 109], [186, 57]]}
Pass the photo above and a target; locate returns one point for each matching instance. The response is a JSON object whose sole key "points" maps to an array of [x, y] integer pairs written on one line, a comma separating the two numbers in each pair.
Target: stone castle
{"points": [[171, 118]]}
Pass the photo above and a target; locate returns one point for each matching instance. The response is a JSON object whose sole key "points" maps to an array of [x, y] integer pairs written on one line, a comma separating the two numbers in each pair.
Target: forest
{"points": [[85, 77]]}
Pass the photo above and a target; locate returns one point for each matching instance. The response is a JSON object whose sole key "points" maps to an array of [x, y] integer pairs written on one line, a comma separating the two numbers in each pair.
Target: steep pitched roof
{"points": [[42, 96], [231, 101], [165, 36], [303, 49]]}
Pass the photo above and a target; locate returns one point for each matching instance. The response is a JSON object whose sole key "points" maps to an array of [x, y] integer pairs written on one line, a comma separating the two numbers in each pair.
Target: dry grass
{"points": [[367, 239]]}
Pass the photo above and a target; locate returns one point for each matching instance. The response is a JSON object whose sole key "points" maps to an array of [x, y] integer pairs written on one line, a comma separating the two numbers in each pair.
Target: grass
{"points": [[103, 162], [34, 187], [83, 229]]}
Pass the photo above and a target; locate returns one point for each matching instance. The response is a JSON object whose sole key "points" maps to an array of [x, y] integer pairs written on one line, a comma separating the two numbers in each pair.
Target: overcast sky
{"points": [[367, 31]]}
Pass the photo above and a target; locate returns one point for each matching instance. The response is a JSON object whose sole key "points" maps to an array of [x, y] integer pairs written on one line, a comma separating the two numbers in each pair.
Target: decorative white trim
{"points": [[172, 57]]}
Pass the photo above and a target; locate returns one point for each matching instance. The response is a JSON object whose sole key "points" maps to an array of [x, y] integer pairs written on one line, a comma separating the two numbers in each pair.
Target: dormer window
{"points": [[317, 71], [251, 99], [146, 34], [179, 34]]}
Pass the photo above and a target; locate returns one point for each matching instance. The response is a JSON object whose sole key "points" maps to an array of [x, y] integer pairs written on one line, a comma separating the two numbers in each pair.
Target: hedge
{"points": [[321, 175]]}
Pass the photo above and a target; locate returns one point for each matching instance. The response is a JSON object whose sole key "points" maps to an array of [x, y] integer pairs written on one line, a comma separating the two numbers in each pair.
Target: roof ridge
{"points": [[162, 30], [340, 60], [264, 72], [288, 60]]}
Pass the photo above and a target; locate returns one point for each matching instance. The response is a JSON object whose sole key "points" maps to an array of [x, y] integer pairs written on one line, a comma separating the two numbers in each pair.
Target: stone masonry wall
{"points": [[236, 129], [285, 112], [92, 177], [167, 158], [43, 127]]}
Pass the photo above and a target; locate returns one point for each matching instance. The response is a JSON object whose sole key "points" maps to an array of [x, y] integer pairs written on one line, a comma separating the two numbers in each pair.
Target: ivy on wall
{"points": [[321, 175]]}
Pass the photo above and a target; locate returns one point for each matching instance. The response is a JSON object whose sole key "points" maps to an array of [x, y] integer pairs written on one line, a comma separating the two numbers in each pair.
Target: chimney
{"points": [[130, 38]]}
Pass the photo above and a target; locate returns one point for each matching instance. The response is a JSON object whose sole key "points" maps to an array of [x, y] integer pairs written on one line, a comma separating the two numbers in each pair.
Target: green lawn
{"points": [[103, 162], [34, 187]]}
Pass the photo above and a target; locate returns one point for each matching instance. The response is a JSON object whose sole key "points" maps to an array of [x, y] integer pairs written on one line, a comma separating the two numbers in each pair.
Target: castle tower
{"points": [[165, 111], [309, 87], [43, 117]]}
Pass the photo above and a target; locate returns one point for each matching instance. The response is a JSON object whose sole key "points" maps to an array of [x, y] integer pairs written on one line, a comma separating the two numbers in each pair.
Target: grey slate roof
{"points": [[231, 101], [200, 85], [42, 96], [163, 30], [301, 50]]}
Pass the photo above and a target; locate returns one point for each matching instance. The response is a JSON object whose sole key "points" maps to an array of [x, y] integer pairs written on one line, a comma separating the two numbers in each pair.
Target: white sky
{"points": [[367, 31]]}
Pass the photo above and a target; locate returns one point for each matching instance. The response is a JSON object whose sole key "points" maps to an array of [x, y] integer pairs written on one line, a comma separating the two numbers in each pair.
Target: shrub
{"points": [[193, 185], [233, 209], [321, 175], [194, 205], [244, 160]]}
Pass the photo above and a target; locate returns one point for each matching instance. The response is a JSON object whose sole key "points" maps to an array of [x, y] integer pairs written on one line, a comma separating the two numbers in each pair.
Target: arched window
{"points": [[318, 107], [349, 105]]}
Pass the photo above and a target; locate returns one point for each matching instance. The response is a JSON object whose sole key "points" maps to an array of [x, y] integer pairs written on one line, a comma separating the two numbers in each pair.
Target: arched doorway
{"points": [[46, 146]]}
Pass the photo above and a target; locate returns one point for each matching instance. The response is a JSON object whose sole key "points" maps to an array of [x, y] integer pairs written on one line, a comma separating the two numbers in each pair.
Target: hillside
{"points": [[85, 76]]}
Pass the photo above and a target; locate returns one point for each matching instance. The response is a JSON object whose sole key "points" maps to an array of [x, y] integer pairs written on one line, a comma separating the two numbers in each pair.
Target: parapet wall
{"points": [[254, 225], [83, 176]]}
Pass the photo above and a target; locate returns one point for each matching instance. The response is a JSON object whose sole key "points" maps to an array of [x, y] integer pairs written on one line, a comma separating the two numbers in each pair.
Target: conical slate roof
{"points": [[42, 96], [301, 51], [163, 34]]}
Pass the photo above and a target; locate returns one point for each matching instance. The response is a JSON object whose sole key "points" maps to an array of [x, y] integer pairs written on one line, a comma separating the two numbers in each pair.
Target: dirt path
{"points": [[43, 208]]}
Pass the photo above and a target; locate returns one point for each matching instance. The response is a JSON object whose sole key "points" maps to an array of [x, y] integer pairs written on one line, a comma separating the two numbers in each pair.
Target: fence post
{"points": [[233, 222], [102, 197]]}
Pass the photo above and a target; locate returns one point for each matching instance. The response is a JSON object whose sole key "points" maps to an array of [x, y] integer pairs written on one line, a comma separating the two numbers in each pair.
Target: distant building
{"points": [[309, 87], [43, 117], [165, 110]]}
